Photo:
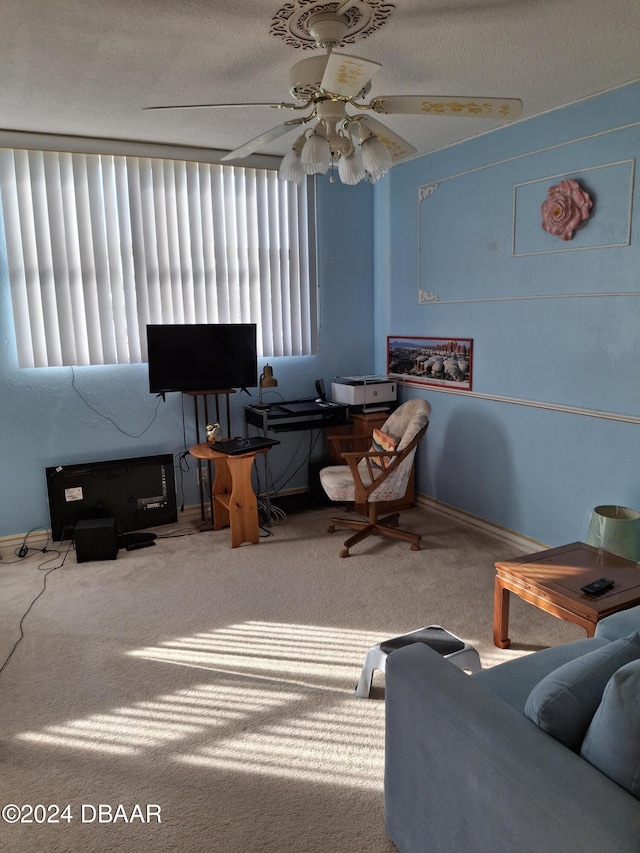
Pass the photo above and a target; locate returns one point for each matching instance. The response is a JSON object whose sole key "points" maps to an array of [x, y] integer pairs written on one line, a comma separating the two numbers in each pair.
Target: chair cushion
{"points": [[402, 425], [407, 420], [564, 702], [612, 742], [384, 443]]}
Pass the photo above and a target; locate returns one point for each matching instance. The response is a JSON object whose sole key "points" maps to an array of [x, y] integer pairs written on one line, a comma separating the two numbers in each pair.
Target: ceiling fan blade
{"points": [[263, 139], [398, 147], [496, 108], [347, 75], [215, 106]]}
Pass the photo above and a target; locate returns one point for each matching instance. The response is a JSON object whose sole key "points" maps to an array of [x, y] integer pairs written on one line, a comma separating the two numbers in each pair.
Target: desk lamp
{"points": [[267, 380]]}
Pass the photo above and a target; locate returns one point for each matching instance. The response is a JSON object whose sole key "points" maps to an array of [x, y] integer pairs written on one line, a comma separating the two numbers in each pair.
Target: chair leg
{"points": [[365, 531], [347, 522], [405, 535], [386, 526]]}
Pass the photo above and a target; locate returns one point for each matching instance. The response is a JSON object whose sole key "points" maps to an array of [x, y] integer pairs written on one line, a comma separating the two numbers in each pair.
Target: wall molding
{"points": [[423, 301], [577, 173], [525, 154], [428, 190], [503, 534], [517, 401]]}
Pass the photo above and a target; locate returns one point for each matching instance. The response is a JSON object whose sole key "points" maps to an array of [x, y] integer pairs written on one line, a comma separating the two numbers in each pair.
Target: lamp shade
{"points": [[267, 379], [616, 529], [350, 167], [376, 158], [316, 155], [291, 167]]}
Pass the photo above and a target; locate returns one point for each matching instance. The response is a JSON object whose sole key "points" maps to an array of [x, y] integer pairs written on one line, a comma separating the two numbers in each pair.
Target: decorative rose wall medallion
{"points": [[566, 206]]}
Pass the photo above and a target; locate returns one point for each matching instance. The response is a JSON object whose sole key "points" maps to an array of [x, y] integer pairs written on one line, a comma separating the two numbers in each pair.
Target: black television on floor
{"points": [[202, 357], [138, 492]]}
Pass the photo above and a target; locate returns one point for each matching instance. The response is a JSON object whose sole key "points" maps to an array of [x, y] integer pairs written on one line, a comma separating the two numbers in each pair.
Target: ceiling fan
{"points": [[330, 89]]}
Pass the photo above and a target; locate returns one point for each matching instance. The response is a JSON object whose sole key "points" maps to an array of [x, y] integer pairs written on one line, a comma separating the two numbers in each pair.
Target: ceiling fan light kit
{"points": [[316, 154], [350, 167], [291, 164], [376, 157], [324, 86]]}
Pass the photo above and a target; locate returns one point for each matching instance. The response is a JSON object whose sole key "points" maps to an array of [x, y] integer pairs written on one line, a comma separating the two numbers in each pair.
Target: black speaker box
{"points": [[96, 539]]}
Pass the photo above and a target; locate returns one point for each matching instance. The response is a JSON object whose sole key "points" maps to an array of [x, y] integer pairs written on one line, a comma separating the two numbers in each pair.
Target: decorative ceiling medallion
{"points": [[567, 205], [291, 23]]}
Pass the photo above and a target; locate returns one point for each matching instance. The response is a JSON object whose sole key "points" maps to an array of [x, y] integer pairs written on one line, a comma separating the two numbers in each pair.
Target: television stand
{"points": [[201, 402]]}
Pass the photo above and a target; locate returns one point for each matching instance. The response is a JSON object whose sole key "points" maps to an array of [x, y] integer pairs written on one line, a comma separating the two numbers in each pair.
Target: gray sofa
{"points": [[493, 763]]}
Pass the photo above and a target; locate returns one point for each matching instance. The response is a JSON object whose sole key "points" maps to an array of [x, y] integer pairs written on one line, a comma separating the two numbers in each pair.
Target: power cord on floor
{"points": [[25, 550], [55, 556]]}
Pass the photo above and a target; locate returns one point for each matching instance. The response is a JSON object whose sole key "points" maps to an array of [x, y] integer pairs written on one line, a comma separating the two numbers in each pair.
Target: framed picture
{"points": [[445, 362]]}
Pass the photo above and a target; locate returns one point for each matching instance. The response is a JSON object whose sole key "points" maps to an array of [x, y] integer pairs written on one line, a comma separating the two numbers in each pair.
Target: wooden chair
{"points": [[372, 475]]}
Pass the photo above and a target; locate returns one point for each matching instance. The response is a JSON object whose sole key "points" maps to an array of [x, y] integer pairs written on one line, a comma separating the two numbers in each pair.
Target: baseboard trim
{"points": [[39, 539], [503, 534]]}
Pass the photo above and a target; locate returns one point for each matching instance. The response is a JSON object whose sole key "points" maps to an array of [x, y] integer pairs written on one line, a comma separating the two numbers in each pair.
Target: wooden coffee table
{"points": [[551, 580]]}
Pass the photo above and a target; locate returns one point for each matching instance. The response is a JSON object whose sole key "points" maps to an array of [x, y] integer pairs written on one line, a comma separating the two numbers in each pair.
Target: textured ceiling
{"points": [[88, 67]]}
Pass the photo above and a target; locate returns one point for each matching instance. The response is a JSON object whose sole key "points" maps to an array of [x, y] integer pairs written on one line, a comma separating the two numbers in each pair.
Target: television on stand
{"points": [[202, 357]]}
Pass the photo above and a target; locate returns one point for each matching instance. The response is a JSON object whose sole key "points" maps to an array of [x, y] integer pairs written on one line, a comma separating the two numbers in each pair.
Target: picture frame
{"points": [[441, 362]]}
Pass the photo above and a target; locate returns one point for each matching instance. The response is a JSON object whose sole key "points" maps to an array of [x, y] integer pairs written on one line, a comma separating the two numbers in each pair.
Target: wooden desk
{"points": [[233, 501], [551, 580]]}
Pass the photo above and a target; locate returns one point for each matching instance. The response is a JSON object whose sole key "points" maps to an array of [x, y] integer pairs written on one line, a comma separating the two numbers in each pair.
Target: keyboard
{"points": [[235, 446]]}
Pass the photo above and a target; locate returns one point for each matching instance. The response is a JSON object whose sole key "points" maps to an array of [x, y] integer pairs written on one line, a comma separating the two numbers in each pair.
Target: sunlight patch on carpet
{"points": [[183, 715], [311, 654], [335, 746], [258, 719]]}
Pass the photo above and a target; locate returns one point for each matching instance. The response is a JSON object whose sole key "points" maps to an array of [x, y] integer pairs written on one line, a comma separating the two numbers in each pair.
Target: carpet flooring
{"points": [[191, 697]]}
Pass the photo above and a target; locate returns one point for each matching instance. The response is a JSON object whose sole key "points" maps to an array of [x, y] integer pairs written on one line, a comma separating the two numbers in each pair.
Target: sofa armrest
{"points": [[620, 624], [465, 771]]}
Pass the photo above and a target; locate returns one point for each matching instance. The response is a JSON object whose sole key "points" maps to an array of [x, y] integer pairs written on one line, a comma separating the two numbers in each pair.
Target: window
{"points": [[98, 246]]}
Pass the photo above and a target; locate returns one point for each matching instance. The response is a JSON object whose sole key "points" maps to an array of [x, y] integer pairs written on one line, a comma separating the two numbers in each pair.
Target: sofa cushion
{"points": [[513, 680], [612, 742], [564, 702]]}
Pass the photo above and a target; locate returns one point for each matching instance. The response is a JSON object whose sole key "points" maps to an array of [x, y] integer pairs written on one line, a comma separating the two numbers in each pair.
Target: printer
{"points": [[367, 391]]}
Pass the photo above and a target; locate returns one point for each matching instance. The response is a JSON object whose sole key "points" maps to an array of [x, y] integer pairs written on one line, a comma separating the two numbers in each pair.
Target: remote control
{"points": [[133, 546], [597, 587]]}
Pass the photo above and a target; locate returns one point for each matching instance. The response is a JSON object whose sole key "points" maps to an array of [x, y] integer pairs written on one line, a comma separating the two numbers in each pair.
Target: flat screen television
{"points": [[138, 493], [202, 357]]}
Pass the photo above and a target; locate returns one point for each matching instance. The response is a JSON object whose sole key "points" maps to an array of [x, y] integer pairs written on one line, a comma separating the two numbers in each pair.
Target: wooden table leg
{"points": [[220, 491], [501, 615], [234, 502], [243, 506]]}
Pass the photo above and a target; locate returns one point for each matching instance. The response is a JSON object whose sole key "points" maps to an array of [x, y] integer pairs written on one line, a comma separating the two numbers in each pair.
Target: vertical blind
{"points": [[99, 246]]}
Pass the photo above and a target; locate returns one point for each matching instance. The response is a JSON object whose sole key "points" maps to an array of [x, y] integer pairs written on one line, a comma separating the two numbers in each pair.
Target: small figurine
{"points": [[214, 433]]}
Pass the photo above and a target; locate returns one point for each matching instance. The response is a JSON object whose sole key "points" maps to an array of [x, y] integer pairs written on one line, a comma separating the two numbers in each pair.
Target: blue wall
{"points": [[44, 421], [550, 428]]}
